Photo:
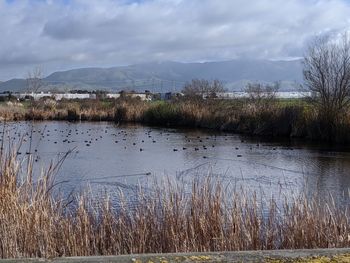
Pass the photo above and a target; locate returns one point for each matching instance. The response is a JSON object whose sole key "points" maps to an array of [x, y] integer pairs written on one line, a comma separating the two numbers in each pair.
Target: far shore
{"points": [[288, 118]]}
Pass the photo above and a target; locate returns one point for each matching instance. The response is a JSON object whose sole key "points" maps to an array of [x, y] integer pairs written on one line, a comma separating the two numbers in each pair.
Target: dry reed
{"points": [[36, 222], [239, 115]]}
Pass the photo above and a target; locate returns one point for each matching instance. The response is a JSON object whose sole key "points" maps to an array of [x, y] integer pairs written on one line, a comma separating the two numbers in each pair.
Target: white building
{"points": [[279, 94], [142, 96], [113, 95], [57, 96], [72, 96]]}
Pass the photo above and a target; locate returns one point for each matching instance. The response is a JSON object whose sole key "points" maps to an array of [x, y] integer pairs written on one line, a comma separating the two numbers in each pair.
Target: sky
{"points": [[63, 34]]}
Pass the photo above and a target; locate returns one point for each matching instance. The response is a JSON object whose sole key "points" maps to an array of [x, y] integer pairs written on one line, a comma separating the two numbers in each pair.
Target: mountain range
{"points": [[169, 76]]}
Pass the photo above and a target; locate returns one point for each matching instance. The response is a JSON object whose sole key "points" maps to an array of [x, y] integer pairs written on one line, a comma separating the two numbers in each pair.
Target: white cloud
{"points": [[76, 33]]}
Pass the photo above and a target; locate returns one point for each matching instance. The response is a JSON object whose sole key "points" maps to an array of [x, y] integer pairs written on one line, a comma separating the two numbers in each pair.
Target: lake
{"points": [[107, 156]]}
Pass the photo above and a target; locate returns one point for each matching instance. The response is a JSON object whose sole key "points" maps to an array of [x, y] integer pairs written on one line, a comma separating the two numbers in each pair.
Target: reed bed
{"points": [[12, 112], [35, 221], [273, 119], [297, 119]]}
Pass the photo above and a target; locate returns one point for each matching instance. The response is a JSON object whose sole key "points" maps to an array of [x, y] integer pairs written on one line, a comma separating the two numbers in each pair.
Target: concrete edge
{"points": [[271, 256]]}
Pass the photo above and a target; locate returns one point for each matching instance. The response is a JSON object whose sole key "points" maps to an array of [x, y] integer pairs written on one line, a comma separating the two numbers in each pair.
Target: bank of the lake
{"points": [[289, 118]]}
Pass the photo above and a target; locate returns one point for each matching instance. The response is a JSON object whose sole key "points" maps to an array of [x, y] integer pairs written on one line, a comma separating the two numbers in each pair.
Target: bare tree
{"points": [[216, 86], [195, 88], [34, 80], [262, 96], [201, 88], [327, 75], [258, 91]]}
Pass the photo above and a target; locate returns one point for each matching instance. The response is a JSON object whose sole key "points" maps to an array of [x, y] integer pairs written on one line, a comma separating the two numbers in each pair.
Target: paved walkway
{"points": [[276, 256]]}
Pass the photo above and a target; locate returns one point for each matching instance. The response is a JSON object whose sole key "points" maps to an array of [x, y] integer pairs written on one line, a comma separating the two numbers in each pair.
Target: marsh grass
{"points": [[35, 221], [294, 118], [273, 118], [12, 112]]}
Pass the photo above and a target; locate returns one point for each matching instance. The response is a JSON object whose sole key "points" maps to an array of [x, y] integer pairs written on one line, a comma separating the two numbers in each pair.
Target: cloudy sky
{"points": [[64, 34]]}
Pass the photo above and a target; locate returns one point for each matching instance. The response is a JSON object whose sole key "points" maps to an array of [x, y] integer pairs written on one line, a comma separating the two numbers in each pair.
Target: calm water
{"points": [[106, 156]]}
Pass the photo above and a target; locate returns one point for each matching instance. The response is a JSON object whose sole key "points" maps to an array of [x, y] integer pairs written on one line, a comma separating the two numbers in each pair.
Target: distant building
{"points": [[293, 94], [56, 96], [70, 96], [142, 96], [170, 95], [113, 95], [279, 94], [231, 95]]}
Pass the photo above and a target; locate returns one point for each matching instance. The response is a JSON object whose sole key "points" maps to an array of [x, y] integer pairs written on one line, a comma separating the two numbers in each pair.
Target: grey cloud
{"points": [[58, 36], [66, 28]]}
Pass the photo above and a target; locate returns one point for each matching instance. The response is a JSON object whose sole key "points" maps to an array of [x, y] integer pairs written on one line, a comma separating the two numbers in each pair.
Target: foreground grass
{"points": [[36, 222]]}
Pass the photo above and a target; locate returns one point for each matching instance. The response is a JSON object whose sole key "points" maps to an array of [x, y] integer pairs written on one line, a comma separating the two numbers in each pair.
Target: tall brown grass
{"points": [[71, 110], [272, 118], [35, 221], [12, 112]]}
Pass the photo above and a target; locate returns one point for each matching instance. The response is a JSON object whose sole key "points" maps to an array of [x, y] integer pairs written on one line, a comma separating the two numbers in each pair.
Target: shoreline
{"points": [[277, 119]]}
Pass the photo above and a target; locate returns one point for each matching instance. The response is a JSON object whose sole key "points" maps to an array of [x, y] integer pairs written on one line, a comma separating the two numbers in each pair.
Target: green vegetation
{"points": [[205, 216]]}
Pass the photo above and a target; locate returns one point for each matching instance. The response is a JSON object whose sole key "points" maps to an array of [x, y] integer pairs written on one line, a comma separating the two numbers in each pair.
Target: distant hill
{"points": [[170, 76], [13, 85]]}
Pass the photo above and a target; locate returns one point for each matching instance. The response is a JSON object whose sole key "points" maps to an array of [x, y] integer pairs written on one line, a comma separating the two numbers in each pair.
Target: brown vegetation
{"points": [[36, 222], [254, 116], [12, 111]]}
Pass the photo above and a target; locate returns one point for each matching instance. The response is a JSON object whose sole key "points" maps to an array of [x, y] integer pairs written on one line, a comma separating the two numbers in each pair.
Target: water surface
{"points": [[107, 156]]}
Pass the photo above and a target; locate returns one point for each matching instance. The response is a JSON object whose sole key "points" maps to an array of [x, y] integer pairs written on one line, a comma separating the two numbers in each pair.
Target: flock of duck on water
{"points": [[87, 137]]}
